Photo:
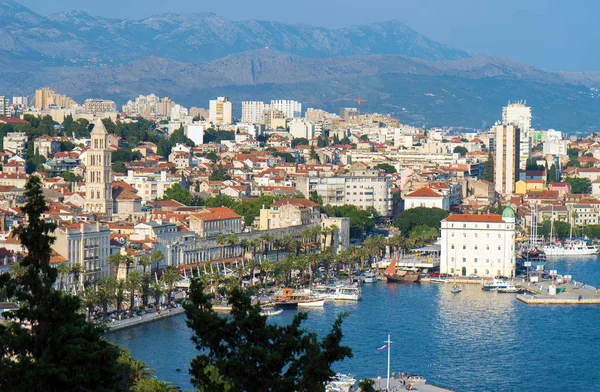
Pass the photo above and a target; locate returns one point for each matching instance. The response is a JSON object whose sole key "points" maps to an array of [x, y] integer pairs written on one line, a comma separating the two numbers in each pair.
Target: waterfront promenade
{"points": [[575, 293], [143, 319]]}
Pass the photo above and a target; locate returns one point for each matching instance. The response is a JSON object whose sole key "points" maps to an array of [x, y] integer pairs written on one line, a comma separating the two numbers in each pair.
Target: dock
{"points": [[396, 385], [570, 293]]}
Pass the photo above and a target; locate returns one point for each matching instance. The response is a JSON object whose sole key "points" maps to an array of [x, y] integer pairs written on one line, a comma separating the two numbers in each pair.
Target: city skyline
{"points": [[544, 28]]}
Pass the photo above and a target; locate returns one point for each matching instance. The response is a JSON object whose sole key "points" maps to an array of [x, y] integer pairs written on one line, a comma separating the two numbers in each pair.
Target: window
{"points": [[464, 225], [464, 246], [487, 235], [475, 260], [475, 247], [475, 235], [487, 261], [499, 261], [465, 235], [464, 259], [452, 247], [487, 247], [475, 271], [499, 247], [452, 235], [488, 225]]}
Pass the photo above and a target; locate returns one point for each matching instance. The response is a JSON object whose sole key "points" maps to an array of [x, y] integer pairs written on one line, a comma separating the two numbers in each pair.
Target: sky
{"points": [[552, 34]]}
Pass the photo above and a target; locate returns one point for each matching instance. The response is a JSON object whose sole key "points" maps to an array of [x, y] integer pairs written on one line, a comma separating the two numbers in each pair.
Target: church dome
{"points": [[508, 212]]}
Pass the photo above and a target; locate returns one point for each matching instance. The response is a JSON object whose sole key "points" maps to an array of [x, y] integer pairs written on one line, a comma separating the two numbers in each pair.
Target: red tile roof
{"points": [[492, 218], [425, 192]]}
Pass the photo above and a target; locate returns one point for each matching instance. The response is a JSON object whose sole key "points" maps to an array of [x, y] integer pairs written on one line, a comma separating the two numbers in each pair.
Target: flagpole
{"points": [[388, 368]]}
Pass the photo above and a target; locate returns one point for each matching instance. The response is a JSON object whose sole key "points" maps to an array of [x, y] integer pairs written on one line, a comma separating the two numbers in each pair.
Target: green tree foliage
{"points": [[178, 193], [313, 153], [61, 351], [300, 141], [71, 177], [551, 174], [179, 137], [364, 138], [409, 219], [244, 352], [591, 231], [573, 153], [386, 167], [488, 173], [218, 173], [316, 198], [213, 136], [579, 185], [221, 201], [213, 156], [574, 163], [561, 229], [531, 164], [460, 150], [250, 209], [360, 220], [125, 155]]}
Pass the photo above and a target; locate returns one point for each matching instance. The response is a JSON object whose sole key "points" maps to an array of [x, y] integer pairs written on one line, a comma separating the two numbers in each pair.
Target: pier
{"points": [[397, 385], [570, 293], [146, 318]]}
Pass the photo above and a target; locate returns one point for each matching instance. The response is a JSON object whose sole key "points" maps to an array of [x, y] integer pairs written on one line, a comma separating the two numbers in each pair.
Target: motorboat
{"points": [[347, 293], [438, 280], [311, 302], [369, 277], [511, 289], [455, 289], [495, 285], [271, 312], [571, 247]]}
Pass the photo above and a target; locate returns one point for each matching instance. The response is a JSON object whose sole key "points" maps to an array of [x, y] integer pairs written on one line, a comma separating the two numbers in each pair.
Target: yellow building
{"points": [[524, 186]]}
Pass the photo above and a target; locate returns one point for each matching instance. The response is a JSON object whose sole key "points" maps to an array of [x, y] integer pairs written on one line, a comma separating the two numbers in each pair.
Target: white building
{"points": [[482, 245], [426, 197], [196, 133], [302, 129], [290, 108], [150, 186], [556, 147], [519, 115], [4, 106], [219, 111], [15, 141], [506, 160], [252, 112], [95, 106]]}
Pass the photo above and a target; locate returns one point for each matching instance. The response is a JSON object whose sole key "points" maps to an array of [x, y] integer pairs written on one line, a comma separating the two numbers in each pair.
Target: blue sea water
{"points": [[471, 341]]}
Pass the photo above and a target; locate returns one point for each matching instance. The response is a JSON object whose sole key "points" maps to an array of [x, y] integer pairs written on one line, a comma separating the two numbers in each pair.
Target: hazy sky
{"points": [[554, 34]]}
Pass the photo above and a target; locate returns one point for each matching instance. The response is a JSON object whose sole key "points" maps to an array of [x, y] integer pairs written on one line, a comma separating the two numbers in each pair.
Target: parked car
{"points": [[435, 275]]}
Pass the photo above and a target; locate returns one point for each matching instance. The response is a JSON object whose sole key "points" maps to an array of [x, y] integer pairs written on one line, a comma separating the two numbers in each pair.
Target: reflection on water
{"points": [[471, 341]]}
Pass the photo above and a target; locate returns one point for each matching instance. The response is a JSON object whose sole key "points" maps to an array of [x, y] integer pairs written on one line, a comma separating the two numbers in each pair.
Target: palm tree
{"points": [[158, 290], [153, 385], [138, 370], [63, 269], [132, 283], [76, 271], [333, 230], [116, 260], [278, 243], [106, 289], [145, 261], [307, 235], [232, 240], [245, 244], [17, 269], [325, 231], [266, 239], [157, 257], [144, 288], [90, 299], [128, 261], [222, 241], [119, 296], [169, 276], [255, 244]]}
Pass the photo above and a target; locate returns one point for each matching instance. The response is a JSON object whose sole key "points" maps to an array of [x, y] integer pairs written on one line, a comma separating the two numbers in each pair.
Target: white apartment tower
{"points": [[4, 106], [98, 189], [482, 245], [252, 112], [290, 108], [219, 111], [506, 159], [519, 115]]}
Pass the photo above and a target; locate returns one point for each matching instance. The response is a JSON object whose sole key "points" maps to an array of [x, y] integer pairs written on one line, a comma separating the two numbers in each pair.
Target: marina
{"points": [[471, 341]]}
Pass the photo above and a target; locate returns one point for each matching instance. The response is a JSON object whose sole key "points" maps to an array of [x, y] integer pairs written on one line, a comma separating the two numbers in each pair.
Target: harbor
{"points": [[474, 341]]}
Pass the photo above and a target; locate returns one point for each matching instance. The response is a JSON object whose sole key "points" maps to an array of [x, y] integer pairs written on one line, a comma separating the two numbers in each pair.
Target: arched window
{"points": [[475, 271]]}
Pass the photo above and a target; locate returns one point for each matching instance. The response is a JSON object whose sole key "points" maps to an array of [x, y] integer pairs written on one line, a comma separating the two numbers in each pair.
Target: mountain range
{"points": [[195, 57]]}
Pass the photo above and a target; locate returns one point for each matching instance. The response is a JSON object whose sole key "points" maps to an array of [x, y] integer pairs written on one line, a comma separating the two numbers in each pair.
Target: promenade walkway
{"points": [[143, 319]]}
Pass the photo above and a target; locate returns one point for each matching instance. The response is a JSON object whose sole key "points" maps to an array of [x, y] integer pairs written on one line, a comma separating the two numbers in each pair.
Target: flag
{"points": [[383, 347]]}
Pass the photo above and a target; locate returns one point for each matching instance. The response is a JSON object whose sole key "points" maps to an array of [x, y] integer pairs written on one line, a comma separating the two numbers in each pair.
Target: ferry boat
{"points": [[411, 275], [495, 285], [369, 277], [571, 247]]}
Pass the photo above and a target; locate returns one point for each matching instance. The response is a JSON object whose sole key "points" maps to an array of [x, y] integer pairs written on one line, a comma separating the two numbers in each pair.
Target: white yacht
{"points": [[571, 247], [347, 293], [369, 277]]}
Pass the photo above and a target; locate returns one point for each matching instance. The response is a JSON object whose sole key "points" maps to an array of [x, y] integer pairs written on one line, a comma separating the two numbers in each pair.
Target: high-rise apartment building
{"points": [[290, 108], [252, 112], [219, 111], [22, 100], [95, 106], [506, 160], [164, 107], [519, 115], [45, 97], [4, 106], [349, 113], [98, 190]]}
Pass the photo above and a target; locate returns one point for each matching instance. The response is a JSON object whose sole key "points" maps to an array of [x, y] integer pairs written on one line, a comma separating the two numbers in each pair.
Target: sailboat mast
{"points": [[389, 344]]}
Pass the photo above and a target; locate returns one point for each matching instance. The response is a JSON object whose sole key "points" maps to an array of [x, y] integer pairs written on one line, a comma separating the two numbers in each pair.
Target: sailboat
{"points": [[404, 276], [455, 289]]}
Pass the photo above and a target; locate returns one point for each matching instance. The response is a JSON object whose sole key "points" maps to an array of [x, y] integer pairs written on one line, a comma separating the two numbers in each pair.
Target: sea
{"points": [[471, 341]]}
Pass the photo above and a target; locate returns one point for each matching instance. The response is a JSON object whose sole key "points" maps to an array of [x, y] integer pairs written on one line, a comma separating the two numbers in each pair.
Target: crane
{"points": [[357, 100]]}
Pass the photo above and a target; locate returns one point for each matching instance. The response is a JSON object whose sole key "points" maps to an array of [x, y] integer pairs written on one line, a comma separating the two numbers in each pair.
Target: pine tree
{"points": [[61, 351]]}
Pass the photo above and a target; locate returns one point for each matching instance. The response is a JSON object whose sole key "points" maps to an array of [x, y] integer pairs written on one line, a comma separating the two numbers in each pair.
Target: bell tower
{"points": [[98, 176]]}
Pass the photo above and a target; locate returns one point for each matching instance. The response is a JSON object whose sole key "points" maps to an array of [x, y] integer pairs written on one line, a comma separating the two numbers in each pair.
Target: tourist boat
{"points": [[455, 289], [271, 312], [311, 302], [347, 293], [495, 285], [511, 289], [286, 299], [411, 275], [369, 277]]}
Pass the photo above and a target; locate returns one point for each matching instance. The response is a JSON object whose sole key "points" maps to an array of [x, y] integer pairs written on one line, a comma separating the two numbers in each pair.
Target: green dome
{"points": [[508, 212]]}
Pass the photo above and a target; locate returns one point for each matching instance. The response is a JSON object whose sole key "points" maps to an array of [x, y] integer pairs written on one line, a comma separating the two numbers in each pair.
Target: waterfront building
{"points": [[86, 244], [213, 221], [289, 212], [506, 161], [219, 111], [481, 245], [95, 106], [98, 173]]}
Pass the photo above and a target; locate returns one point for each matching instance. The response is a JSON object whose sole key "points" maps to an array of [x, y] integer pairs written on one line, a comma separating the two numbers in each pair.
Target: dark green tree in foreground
{"points": [[61, 351], [244, 352]]}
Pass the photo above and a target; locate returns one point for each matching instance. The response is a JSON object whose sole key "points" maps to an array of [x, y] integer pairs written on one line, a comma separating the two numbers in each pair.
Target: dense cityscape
{"points": [[260, 241]]}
